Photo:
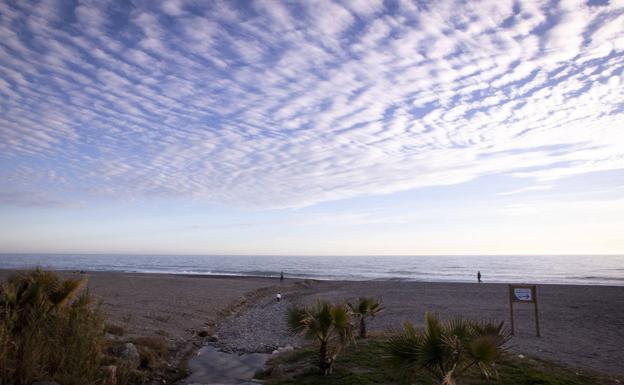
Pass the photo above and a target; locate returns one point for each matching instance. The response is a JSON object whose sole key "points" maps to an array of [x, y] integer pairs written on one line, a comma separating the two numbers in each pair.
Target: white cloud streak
{"points": [[289, 104]]}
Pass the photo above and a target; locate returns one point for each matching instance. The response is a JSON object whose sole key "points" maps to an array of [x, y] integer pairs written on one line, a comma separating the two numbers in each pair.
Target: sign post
{"points": [[525, 294]]}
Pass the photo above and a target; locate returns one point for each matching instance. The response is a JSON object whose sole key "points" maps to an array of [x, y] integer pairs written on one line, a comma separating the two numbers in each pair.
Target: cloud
{"points": [[34, 200], [285, 105]]}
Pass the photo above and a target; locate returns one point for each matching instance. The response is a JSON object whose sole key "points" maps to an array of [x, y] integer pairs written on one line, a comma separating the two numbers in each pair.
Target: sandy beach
{"points": [[582, 326]]}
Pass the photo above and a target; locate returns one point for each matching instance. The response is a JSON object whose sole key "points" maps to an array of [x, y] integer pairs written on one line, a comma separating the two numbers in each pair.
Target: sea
{"points": [[543, 269]]}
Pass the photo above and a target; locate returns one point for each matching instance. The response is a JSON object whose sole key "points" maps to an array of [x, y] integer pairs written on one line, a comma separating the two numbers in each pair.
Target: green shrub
{"points": [[447, 350], [50, 329]]}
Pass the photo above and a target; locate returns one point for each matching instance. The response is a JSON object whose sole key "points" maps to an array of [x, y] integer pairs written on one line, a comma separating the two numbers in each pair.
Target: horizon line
{"points": [[318, 255]]}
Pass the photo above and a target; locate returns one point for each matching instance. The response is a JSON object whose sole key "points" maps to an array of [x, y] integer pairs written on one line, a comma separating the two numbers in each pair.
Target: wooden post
{"points": [[534, 290], [511, 315]]}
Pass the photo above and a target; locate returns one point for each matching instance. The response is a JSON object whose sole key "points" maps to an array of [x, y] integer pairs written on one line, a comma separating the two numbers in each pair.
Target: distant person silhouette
{"points": [[282, 276], [479, 276]]}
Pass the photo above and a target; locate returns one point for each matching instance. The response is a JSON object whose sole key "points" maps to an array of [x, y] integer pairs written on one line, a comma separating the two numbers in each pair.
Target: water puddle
{"points": [[212, 366]]}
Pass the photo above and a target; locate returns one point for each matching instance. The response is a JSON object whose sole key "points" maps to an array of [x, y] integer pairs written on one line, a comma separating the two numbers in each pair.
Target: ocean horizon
{"points": [[538, 269]]}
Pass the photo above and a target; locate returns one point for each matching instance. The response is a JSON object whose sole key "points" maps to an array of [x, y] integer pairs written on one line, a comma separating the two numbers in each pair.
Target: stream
{"points": [[212, 366]]}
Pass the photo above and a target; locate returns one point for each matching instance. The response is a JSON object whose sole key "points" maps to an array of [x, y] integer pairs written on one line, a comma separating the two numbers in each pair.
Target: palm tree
{"points": [[365, 306], [327, 323], [448, 349]]}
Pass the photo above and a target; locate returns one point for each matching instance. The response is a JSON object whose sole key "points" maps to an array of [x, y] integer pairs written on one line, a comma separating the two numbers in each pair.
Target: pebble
{"points": [[261, 328]]}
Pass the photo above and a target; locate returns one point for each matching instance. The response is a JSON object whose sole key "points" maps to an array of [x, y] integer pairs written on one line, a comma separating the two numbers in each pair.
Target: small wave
{"points": [[596, 277]]}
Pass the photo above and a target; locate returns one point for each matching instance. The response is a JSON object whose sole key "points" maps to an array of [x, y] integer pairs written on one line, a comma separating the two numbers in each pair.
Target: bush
{"points": [[50, 329], [447, 350]]}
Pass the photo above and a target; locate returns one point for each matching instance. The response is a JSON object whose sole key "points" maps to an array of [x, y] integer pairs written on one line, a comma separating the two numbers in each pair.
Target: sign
{"points": [[523, 294]]}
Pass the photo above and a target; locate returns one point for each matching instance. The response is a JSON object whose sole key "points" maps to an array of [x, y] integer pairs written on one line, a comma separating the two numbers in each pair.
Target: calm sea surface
{"points": [[569, 269]]}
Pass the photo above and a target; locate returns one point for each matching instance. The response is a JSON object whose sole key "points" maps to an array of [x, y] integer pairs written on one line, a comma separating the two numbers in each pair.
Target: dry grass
{"points": [[115, 330], [49, 330], [152, 350]]}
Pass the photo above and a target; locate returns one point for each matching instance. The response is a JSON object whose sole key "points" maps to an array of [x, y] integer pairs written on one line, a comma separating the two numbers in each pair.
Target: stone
{"points": [[130, 354]]}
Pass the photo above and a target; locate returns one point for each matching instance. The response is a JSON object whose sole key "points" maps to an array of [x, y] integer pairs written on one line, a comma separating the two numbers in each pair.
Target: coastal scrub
{"points": [[50, 329]]}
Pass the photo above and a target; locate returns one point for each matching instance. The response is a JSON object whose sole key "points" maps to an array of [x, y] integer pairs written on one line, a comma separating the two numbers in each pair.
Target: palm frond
{"points": [[403, 347], [447, 349], [296, 319]]}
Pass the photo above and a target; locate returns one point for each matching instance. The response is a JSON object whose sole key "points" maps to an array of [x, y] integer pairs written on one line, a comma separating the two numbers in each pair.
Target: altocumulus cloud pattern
{"points": [[285, 104]]}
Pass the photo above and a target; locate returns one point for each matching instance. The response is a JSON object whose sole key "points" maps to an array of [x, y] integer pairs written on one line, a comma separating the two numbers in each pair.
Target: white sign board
{"points": [[523, 294]]}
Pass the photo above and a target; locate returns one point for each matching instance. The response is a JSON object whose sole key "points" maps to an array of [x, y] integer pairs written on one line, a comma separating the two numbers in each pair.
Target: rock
{"points": [[206, 331], [130, 354]]}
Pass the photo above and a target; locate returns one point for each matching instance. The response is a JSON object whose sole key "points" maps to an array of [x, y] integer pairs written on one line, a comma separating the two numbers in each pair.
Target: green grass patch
{"points": [[365, 363]]}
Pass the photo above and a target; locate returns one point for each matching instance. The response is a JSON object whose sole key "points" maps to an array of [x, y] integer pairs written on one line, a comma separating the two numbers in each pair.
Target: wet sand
{"points": [[582, 326]]}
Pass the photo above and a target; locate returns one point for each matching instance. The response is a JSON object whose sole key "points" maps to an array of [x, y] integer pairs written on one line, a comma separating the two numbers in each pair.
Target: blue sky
{"points": [[312, 127]]}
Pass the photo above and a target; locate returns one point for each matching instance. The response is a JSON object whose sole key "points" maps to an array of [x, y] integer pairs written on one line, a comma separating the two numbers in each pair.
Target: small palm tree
{"points": [[365, 307], [327, 323], [446, 350]]}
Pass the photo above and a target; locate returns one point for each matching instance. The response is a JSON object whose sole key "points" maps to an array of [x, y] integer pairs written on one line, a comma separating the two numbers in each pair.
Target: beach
{"points": [[581, 326]]}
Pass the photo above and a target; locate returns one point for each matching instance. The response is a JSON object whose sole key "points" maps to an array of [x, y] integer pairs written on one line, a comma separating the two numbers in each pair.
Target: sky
{"points": [[312, 127]]}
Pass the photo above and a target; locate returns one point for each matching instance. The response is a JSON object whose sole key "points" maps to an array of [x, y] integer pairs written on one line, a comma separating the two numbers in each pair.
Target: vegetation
{"points": [[365, 364], [365, 307], [446, 350], [326, 323], [49, 330]]}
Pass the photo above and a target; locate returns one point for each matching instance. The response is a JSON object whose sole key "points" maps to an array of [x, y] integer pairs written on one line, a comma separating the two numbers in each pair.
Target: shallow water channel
{"points": [[212, 366]]}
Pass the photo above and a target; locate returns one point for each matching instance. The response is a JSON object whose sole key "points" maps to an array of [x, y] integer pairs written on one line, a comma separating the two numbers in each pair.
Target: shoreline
{"points": [[308, 278], [570, 270]]}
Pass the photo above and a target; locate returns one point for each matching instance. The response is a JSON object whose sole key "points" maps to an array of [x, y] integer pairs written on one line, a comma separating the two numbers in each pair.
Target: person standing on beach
{"points": [[479, 276], [282, 276], [278, 297]]}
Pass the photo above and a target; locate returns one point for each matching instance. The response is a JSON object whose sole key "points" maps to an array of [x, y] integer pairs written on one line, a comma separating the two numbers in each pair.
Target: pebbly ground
{"points": [[582, 326]]}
